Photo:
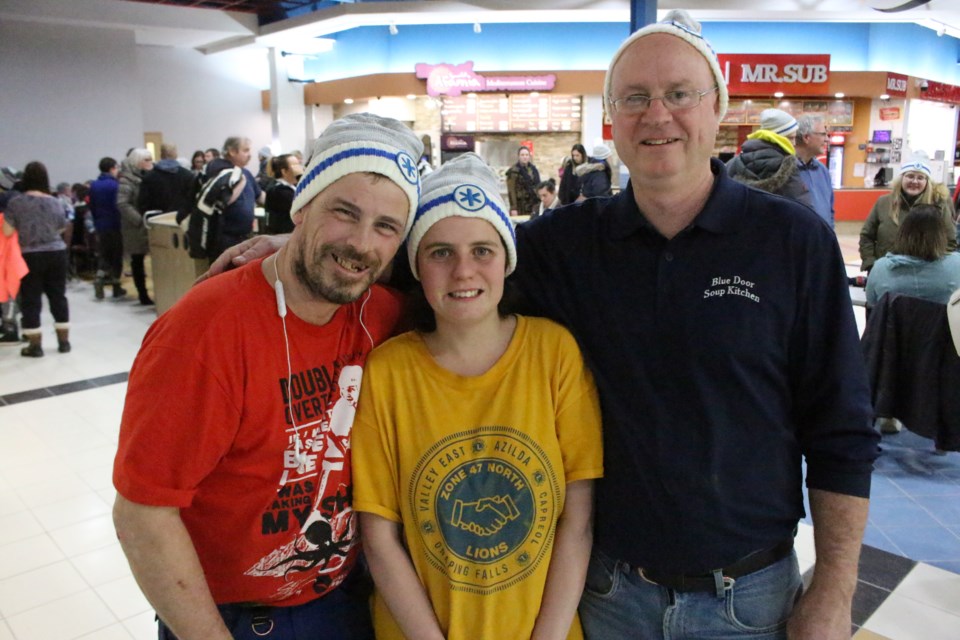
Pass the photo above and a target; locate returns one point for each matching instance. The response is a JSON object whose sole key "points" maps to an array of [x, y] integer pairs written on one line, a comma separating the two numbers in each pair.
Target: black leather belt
{"points": [[708, 581]]}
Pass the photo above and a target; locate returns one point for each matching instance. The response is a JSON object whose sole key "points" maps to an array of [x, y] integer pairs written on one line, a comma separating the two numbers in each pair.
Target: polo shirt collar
{"points": [[722, 212]]}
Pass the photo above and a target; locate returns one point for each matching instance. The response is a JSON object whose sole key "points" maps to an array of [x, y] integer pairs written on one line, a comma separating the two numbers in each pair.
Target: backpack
{"points": [[203, 228]]}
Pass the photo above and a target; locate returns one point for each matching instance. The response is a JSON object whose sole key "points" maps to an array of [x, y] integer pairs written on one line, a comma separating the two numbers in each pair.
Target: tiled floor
{"points": [[63, 575]]}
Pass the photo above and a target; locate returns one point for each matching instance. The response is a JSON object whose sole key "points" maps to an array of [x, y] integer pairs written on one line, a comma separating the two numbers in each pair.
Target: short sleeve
{"points": [[578, 416], [375, 455]]}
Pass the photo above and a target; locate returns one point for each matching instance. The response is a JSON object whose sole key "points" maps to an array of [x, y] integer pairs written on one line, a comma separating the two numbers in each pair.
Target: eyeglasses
{"points": [[915, 177], [672, 101]]}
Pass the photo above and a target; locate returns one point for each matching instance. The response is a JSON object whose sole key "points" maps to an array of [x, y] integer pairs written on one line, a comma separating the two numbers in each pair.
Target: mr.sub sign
{"points": [[764, 74]]}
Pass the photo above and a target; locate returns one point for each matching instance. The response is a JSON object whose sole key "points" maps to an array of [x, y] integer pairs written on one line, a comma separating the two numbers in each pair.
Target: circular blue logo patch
{"points": [[408, 167], [470, 197]]}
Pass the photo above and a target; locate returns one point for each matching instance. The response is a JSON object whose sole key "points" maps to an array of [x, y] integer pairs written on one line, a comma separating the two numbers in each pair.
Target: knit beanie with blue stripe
{"points": [[465, 187], [363, 143]]}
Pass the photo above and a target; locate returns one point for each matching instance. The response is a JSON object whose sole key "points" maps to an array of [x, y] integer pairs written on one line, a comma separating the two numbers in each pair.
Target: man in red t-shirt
{"points": [[234, 503]]}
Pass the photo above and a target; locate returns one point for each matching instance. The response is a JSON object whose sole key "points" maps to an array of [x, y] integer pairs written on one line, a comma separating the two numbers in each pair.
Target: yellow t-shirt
{"points": [[476, 469]]}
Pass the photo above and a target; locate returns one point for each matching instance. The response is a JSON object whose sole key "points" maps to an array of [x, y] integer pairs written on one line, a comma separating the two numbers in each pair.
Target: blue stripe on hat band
{"points": [[343, 155], [449, 198]]}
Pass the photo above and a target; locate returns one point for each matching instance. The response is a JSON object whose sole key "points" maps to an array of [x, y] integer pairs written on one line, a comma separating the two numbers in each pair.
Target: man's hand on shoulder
{"points": [[241, 254]]}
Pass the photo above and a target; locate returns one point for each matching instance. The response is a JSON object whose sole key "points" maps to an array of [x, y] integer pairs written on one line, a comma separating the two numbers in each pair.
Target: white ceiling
{"points": [[211, 31]]}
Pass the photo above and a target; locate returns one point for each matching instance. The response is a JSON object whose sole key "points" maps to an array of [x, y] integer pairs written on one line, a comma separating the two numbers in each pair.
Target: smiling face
{"points": [[462, 264], [658, 145], [914, 183], [347, 235]]}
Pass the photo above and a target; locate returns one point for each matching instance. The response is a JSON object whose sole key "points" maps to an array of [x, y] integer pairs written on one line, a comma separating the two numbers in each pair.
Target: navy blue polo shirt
{"points": [[721, 356]]}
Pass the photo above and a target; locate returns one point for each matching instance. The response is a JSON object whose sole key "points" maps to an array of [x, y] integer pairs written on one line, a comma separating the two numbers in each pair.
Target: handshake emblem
{"points": [[486, 516]]}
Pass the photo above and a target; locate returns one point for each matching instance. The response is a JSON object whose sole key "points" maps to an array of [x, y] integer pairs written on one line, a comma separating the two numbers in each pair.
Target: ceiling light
{"points": [[348, 101], [884, 96], [839, 94], [778, 94], [393, 29], [411, 96], [477, 28]]}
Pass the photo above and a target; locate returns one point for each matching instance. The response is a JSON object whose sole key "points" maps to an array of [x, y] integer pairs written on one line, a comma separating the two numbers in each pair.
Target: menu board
{"points": [[836, 113], [519, 112]]}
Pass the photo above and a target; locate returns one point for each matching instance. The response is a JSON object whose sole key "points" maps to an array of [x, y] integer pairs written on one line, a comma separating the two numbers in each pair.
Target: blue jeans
{"points": [[618, 603], [340, 614]]}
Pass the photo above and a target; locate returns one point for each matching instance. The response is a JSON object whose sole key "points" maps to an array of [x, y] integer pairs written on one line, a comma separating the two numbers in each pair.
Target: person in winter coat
{"points": [[522, 181], [287, 170], [106, 221], [569, 181], [919, 265], [768, 159], [135, 243], [912, 187], [168, 186], [595, 176]]}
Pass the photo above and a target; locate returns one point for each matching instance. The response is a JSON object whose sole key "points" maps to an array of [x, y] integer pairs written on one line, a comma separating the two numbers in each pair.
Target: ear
{"points": [[297, 217]]}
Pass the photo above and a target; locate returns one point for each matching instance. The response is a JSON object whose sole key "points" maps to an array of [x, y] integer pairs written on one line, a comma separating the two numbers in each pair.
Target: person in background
{"points": [[65, 195], [210, 155], [595, 174], [236, 221], [569, 181], [919, 264], [912, 187], [168, 186], [810, 144], [279, 198], [547, 192], [450, 388], [234, 498], [197, 162], [136, 244], [767, 159], [39, 220], [265, 174], [106, 221], [522, 181]]}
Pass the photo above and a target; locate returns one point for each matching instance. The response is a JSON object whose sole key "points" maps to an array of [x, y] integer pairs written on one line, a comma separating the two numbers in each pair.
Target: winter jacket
{"points": [[569, 189], [522, 184], [880, 230], [135, 241], [103, 203], [913, 367], [594, 179], [167, 187], [764, 164]]}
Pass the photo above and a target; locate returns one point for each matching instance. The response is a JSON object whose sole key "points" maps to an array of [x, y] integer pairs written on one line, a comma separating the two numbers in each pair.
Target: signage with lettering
{"points": [[897, 85], [457, 142], [454, 79], [889, 113], [513, 113], [765, 74], [949, 93]]}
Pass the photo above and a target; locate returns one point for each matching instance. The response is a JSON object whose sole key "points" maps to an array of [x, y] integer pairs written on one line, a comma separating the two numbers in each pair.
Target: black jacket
{"points": [[764, 165], [167, 187]]}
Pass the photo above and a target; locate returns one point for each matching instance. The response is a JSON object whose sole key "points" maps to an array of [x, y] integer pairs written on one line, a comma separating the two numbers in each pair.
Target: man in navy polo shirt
{"points": [[717, 322]]}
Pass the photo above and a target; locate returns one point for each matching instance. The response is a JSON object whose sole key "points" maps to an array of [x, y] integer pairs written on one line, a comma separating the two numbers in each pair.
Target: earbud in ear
{"points": [[281, 301]]}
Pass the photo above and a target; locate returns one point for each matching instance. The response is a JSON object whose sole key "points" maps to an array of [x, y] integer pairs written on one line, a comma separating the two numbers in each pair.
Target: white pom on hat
{"points": [[777, 121], [464, 187], [363, 143], [601, 152], [677, 23], [917, 162]]}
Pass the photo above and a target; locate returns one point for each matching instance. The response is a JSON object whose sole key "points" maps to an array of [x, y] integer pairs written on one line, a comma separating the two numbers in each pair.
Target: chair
{"points": [[913, 367]]}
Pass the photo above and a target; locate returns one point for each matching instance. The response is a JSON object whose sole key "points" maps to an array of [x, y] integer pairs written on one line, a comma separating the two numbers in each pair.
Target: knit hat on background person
{"points": [[780, 122], [265, 152], [601, 152], [917, 162], [363, 143], [676, 23], [465, 187]]}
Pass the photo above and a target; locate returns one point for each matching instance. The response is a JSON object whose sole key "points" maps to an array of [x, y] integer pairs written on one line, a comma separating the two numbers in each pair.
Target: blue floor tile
{"points": [[931, 483], [903, 512], [883, 487], [874, 537], [925, 543], [946, 512]]}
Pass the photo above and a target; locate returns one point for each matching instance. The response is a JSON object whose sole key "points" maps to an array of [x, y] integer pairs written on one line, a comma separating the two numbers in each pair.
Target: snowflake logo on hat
{"points": [[469, 197], [408, 167]]}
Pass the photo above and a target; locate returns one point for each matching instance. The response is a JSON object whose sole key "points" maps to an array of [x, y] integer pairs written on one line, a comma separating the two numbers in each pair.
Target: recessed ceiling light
{"points": [[348, 101]]}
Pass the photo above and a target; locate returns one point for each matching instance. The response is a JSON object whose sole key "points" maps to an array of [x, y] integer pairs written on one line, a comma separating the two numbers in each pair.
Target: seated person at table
{"points": [[919, 264]]}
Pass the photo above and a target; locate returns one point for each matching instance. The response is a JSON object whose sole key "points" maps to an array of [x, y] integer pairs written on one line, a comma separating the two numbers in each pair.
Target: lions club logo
{"points": [[486, 502]]}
